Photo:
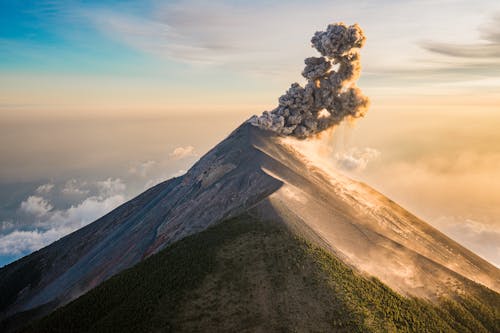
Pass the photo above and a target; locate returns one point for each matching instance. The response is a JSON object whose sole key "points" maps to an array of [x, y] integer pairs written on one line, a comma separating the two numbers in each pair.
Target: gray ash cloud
{"points": [[330, 94]]}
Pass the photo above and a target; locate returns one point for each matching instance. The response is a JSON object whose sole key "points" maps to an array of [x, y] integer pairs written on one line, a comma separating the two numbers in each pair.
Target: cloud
{"points": [[488, 48], [355, 159], [449, 64], [163, 36], [110, 187], [75, 187], [87, 211], [456, 191], [202, 33], [481, 237], [19, 242], [451, 183], [53, 224], [143, 169], [182, 152], [6, 225], [36, 206], [45, 188]]}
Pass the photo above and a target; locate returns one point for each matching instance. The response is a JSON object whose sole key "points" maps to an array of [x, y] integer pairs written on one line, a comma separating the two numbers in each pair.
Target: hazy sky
{"points": [[101, 99]]}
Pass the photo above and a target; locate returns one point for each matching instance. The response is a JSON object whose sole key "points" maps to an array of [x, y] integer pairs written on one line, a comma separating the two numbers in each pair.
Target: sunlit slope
{"points": [[366, 229]]}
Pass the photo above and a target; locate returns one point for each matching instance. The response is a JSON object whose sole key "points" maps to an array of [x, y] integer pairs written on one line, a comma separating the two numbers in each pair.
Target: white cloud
{"points": [[45, 188], [53, 224], [356, 159], [182, 152], [110, 187], [75, 187], [36, 205], [220, 34], [19, 242], [82, 214]]}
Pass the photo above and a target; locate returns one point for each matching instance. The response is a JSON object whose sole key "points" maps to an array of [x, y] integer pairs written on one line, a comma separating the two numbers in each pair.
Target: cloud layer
{"points": [[50, 224], [54, 209], [487, 48]]}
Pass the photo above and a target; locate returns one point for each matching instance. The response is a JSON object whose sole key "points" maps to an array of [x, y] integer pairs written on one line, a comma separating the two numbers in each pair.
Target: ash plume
{"points": [[301, 110]]}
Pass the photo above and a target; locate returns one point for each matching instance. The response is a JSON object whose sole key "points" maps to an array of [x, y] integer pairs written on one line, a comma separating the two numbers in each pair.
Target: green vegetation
{"points": [[244, 275]]}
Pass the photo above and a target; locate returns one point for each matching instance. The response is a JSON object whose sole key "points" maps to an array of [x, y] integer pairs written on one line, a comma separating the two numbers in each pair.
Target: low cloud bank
{"points": [[50, 223]]}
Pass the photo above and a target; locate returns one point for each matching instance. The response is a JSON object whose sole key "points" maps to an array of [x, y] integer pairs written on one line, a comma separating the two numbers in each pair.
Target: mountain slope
{"points": [[169, 211], [247, 275], [368, 230], [251, 169]]}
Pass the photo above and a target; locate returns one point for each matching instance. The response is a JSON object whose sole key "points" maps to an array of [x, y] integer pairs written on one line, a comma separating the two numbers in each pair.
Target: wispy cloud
{"points": [[45, 188], [248, 38], [231, 34], [487, 48]]}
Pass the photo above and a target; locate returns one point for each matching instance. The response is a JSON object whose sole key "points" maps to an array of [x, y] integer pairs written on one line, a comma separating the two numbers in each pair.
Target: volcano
{"points": [[257, 176], [257, 237]]}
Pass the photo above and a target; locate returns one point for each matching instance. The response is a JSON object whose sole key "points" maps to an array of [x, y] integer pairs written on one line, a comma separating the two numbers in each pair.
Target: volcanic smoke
{"points": [[330, 95]]}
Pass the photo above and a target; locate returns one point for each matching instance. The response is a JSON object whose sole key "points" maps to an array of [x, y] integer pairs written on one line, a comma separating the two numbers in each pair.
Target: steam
{"points": [[330, 95]]}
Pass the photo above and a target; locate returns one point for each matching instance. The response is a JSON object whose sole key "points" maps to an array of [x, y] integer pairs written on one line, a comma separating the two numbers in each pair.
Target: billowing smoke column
{"points": [[330, 95]]}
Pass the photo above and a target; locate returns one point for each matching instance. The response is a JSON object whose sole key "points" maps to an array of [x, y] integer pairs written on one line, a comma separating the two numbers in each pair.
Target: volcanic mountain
{"points": [[257, 219]]}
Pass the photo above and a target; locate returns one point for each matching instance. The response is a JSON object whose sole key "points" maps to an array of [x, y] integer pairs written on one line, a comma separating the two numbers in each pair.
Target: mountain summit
{"points": [[255, 172]]}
